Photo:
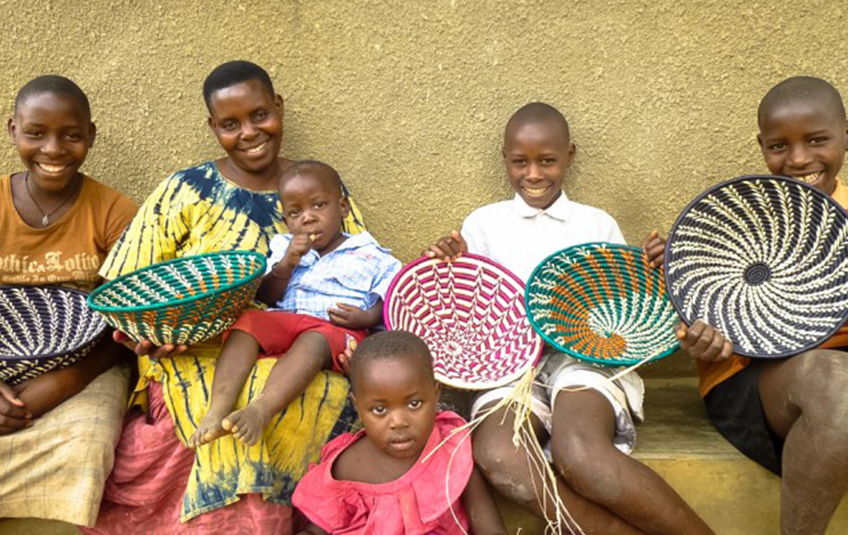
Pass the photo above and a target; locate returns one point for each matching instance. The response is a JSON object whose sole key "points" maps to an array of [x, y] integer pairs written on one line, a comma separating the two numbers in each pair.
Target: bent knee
{"points": [[823, 373], [571, 460], [587, 468], [507, 470], [817, 362]]}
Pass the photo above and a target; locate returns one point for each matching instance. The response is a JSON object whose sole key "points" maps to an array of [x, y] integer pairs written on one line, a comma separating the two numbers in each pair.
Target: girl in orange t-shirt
{"points": [[58, 225]]}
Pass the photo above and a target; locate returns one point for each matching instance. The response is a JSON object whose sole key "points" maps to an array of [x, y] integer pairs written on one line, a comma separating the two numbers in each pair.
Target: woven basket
{"points": [[765, 260], [44, 328], [471, 314], [602, 303], [182, 301]]}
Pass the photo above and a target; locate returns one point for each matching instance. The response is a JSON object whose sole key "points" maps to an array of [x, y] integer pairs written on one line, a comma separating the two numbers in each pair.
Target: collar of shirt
{"points": [[560, 209], [353, 241]]}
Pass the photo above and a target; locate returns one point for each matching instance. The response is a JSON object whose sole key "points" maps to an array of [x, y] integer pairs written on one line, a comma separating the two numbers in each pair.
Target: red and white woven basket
{"points": [[471, 314]]}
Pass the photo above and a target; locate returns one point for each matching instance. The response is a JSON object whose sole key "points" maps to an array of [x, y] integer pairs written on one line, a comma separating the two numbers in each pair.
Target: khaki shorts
{"points": [[558, 371]]}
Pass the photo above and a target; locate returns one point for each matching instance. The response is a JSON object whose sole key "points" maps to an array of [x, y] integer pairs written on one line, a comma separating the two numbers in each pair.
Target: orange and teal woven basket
{"points": [[183, 301], [602, 303]]}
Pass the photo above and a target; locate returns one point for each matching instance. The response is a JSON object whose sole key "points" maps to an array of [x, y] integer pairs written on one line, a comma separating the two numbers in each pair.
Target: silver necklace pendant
{"points": [[45, 220]]}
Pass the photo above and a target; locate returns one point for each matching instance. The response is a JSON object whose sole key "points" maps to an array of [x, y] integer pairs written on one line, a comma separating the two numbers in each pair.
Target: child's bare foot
{"points": [[247, 424], [210, 428]]}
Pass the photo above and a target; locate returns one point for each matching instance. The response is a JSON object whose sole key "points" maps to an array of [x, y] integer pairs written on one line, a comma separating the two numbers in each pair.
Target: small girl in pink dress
{"points": [[397, 477]]}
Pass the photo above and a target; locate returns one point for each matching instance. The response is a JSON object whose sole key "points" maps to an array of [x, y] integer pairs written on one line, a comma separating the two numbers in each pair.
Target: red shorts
{"points": [[276, 331]]}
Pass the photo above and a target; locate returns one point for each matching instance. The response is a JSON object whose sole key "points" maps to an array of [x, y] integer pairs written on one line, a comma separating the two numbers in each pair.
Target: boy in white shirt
{"points": [[591, 431]]}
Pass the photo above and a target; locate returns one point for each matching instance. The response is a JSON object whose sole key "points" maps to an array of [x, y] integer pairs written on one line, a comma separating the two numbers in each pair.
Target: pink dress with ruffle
{"points": [[417, 503]]}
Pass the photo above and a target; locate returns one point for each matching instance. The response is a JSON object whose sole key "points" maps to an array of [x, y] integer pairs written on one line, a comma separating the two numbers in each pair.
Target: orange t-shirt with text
{"points": [[70, 251], [714, 373]]}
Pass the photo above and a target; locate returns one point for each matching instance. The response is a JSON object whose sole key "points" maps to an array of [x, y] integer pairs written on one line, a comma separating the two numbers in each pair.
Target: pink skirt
{"points": [[145, 491]]}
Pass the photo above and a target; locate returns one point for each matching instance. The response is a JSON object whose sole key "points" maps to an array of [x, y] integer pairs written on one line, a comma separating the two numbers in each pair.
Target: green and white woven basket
{"points": [[183, 301]]}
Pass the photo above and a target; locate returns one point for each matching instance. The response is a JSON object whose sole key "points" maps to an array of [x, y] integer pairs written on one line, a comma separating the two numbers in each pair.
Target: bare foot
{"points": [[210, 428], [248, 423]]}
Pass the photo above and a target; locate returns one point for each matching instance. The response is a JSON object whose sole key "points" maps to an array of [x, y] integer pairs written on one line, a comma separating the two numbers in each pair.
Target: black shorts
{"points": [[735, 409]]}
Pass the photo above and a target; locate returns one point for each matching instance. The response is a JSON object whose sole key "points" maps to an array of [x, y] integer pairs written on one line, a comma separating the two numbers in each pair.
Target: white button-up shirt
{"points": [[519, 237]]}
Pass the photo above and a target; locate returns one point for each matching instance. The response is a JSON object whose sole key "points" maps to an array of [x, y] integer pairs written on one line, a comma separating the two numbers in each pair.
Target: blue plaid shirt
{"points": [[357, 273]]}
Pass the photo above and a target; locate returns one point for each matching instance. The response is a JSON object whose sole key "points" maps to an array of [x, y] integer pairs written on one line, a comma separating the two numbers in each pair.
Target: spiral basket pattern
{"points": [[44, 328], [471, 314], [602, 303], [765, 260], [182, 301]]}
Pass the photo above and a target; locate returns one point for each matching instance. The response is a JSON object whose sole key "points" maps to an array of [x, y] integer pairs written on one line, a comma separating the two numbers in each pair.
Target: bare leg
{"points": [[507, 470], [238, 356], [289, 377], [584, 454], [805, 400]]}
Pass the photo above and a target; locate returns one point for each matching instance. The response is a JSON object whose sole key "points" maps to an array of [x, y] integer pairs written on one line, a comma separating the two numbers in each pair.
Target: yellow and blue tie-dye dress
{"points": [[197, 210]]}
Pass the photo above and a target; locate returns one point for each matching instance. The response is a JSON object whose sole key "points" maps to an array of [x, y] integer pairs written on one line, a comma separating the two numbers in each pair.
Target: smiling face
{"points": [[397, 400], [804, 140], [248, 122], [313, 204], [52, 135], [537, 155]]}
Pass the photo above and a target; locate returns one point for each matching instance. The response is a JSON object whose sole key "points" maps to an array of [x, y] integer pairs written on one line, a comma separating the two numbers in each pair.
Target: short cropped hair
{"points": [[304, 166], [802, 89], [388, 345], [54, 84], [538, 112], [232, 73]]}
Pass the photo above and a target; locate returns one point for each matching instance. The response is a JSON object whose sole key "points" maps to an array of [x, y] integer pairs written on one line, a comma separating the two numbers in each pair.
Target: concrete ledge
{"points": [[36, 526], [732, 493]]}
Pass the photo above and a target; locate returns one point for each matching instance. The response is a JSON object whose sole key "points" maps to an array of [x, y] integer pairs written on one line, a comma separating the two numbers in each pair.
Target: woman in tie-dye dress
{"points": [[159, 485]]}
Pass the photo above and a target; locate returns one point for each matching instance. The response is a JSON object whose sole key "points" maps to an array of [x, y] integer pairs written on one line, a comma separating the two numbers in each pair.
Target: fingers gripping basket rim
{"points": [[29, 307], [539, 310], [131, 318], [824, 204], [457, 344]]}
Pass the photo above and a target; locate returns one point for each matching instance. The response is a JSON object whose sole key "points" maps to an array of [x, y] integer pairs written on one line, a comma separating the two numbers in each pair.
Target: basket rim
{"points": [[479, 259], [575, 354], [104, 309], [47, 356], [677, 222]]}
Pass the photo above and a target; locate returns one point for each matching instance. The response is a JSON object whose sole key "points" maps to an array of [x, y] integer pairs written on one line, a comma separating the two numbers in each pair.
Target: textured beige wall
{"points": [[408, 99]]}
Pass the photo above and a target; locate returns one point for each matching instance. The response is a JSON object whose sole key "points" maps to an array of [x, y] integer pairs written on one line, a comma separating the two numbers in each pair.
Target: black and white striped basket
{"points": [[765, 260], [44, 328]]}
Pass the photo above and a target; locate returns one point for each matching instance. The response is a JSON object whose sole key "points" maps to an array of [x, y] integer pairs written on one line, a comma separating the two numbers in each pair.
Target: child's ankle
{"points": [[264, 406], [219, 408]]}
